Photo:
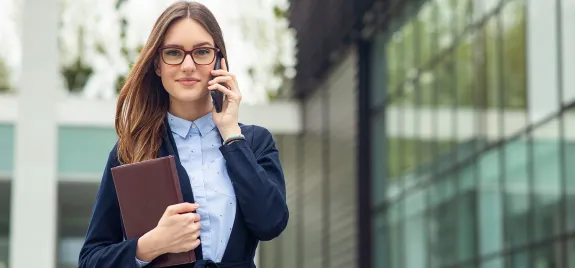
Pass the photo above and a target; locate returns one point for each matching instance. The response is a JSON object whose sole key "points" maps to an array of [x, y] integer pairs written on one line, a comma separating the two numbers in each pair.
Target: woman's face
{"points": [[186, 81]]}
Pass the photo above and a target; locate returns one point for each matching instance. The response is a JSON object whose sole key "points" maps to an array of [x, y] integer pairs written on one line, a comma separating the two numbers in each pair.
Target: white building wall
{"points": [[33, 231]]}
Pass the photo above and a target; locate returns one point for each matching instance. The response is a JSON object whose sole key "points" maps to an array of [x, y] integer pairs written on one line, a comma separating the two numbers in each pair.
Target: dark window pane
{"points": [[490, 200], [467, 225], [517, 192], [394, 125], [547, 180], [442, 222], [379, 241], [548, 255], [378, 163], [519, 260], [415, 245], [496, 262], [570, 246], [395, 236], [569, 150]]}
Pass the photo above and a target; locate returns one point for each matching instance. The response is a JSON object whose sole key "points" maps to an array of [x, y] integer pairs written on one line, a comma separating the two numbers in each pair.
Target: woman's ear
{"points": [[157, 67]]}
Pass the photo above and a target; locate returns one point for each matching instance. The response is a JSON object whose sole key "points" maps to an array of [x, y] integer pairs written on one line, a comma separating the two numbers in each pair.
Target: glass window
{"points": [[378, 156], [442, 222], [467, 224], [466, 73], [548, 255], [415, 230], [570, 247], [496, 262], [567, 55], [463, 9], [445, 19], [517, 192], [459, 101], [514, 54], [547, 180], [489, 202], [519, 259], [395, 236], [569, 154], [426, 27], [395, 64], [379, 75], [393, 129], [379, 249]]}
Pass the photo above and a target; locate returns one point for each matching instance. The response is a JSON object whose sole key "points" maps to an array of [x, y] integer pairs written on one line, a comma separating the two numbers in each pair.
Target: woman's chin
{"points": [[189, 95]]}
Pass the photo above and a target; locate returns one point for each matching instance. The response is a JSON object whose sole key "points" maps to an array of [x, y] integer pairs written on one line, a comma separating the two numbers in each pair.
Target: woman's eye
{"points": [[203, 52], [173, 52]]}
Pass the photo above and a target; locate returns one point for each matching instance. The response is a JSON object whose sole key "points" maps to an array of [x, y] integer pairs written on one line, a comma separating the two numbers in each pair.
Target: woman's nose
{"points": [[188, 64]]}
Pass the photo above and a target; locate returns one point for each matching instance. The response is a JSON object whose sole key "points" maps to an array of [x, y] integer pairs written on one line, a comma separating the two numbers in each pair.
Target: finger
{"points": [[195, 244], [230, 95], [195, 227], [181, 208], [225, 72], [195, 216], [224, 65], [220, 79], [196, 234], [192, 218], [229, 80], [220, 73]]}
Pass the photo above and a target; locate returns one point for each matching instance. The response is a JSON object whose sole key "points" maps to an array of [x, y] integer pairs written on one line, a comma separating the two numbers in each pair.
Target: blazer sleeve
{"points": [[104, 245], [258, 181]]}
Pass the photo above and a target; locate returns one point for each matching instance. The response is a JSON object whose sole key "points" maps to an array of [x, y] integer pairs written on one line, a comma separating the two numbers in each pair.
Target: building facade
{"points": [[444, 133]]}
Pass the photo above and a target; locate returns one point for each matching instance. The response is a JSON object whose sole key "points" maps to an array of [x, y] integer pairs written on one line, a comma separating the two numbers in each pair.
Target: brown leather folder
{"points": [[145, 189]]}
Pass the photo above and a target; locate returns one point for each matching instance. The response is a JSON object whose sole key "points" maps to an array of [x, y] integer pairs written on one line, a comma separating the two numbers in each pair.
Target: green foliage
{"points": [[280, 13], [4, 77], [76, 75]]}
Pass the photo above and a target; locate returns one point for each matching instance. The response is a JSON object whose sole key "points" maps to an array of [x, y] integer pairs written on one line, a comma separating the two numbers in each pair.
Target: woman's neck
{"points": [[191, 110]]}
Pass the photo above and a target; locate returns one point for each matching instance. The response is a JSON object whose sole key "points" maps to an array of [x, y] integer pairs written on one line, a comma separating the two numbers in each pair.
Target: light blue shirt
{"points": [[198, 144]]}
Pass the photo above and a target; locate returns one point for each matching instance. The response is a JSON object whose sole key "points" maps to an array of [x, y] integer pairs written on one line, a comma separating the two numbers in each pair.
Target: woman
{"points": [[232, 171]]}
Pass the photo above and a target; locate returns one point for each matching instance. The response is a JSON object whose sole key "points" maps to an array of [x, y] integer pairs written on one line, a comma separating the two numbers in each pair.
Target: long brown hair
{"points": [[143, 102]]}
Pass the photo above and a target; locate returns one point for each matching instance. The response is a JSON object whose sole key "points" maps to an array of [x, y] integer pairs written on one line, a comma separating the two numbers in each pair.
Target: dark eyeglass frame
{"points": [[186, 53]]}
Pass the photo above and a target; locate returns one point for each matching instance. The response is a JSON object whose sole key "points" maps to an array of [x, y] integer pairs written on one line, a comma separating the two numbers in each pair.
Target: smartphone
{"points": [[217, 96]]}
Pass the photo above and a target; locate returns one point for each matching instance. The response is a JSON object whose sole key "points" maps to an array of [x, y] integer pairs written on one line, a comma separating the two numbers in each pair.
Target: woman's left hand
{"points": [[227, 119]]}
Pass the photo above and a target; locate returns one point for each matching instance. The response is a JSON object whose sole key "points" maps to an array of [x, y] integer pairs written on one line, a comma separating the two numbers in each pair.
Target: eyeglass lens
{"points": [[199, 55]]}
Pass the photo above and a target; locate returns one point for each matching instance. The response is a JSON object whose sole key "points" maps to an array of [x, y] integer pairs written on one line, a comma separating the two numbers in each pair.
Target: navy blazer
{"points": [[262, 213]]}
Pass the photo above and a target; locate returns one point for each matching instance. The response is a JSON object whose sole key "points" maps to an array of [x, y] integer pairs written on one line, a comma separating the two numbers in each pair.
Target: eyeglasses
{"points": [[200, 55]]}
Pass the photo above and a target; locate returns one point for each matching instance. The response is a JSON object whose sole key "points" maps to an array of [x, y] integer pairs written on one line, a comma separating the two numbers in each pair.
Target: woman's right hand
{"points": [[177, 231]]}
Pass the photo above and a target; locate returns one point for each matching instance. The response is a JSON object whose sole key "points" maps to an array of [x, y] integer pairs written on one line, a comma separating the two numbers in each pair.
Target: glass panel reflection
{"points": [[517, 192], [547, 180]]}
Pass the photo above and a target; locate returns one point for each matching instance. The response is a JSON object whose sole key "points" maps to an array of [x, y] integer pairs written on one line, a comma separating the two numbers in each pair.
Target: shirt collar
{"points": [[181, 126]]}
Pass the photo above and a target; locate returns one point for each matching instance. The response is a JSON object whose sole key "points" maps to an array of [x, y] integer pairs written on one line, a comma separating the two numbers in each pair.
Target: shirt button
{"points": [[193, 126]]}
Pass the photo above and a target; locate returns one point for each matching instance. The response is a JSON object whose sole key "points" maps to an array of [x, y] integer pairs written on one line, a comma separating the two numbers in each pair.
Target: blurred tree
{"points": [[4, 77]]}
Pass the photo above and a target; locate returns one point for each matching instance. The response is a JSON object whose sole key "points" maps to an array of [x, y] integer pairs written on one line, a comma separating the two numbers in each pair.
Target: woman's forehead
{"points": [[188, 34]]}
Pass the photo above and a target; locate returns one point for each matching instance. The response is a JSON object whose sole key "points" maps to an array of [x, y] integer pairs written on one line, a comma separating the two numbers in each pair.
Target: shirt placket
{"points": [[198, 184]]}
